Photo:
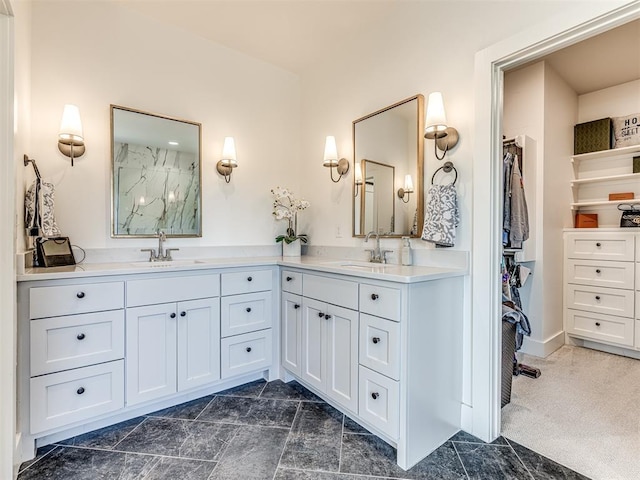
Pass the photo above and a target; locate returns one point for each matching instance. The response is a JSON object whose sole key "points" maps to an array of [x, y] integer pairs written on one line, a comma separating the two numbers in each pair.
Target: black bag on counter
{"points": [[630, 214]]}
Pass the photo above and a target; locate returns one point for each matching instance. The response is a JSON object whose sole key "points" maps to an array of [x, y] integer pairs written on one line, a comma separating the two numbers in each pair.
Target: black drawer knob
{"points": [[597, 324], [320, 314], [375, 395], [248, 309], [80, 391], [598, 244], [289, 279], [597, 297], [183, 314], [597, 270], [80, 336], [296, 306], [374, 296], [172, 315], [249, 279], [248, 349], [80, 294], [327, 316], [375, 339]]}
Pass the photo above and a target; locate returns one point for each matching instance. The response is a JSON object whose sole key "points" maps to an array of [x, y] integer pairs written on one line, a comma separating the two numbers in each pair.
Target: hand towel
{"points": [[39, 209], [442, 215]]}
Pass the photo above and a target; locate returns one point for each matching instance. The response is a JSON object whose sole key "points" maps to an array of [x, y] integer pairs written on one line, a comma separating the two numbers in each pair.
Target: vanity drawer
{"points": [[171, 289], [637, 335], [234, 283], [604, 328], [70, 299], [380, 345], [245, 313], [63, 343], [609, 301], [603, 246], [291, 281], [66, 397], [246, 353], [331, 290], [380, 301], [379, 401], [600, 273]]}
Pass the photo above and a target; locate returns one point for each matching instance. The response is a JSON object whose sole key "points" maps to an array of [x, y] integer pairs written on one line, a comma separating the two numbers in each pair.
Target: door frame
{"points": [[490, 65]]}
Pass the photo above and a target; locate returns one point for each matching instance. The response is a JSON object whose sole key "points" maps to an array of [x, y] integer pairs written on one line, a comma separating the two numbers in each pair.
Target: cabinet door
{"points": [[314, 365], [198, 342], [151, 352], [291, 328], [341, 326]]}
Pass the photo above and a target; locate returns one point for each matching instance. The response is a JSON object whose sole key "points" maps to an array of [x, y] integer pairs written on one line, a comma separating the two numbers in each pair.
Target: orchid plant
{"points": [[286, 207]]}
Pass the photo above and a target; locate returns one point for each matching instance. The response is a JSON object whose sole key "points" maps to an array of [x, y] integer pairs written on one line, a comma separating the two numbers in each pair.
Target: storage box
{"points": [[621, 196], [593, 136], [636, 164], [586, 220]]}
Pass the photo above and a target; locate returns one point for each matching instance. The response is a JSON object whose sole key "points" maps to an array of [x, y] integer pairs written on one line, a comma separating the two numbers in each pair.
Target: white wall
{"points": [[94, 54], [616, 101]]}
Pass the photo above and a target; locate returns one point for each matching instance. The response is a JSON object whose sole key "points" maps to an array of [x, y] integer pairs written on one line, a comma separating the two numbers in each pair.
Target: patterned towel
{"points": [[442, 215], [39, 209]]}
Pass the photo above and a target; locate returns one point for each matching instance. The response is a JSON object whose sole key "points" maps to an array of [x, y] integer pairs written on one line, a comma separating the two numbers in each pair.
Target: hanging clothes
{"points": [[515, 219]]}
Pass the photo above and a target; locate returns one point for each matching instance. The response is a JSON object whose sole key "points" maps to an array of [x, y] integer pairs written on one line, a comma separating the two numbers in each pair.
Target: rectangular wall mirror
{"points": [[388, 145], [155, 176]]}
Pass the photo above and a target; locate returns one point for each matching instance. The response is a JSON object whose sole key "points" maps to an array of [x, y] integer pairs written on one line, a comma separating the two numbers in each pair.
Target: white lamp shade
{"points": [[229, 152], [71, 125], [358, 174], [408, 183], [436, 119], [330, 152]]}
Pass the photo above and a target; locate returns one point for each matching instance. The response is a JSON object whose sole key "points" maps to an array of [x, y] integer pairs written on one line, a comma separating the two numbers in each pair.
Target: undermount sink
{"points": [[364, 265], [168, 263]]}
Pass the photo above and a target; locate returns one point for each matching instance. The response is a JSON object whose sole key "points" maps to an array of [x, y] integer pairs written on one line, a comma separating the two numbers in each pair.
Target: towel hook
{"points": [[447, 167], [28, 160]]}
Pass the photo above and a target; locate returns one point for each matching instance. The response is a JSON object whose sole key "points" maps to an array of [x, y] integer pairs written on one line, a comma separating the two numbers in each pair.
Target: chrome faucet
{"points": [[162, 255], [376, 256]]}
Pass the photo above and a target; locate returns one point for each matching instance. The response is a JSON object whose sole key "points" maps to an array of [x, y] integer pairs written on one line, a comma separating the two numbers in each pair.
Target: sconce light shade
{"points": [[331, 159], [408, 189], [70, 137], [228, 162], [358, 174], [436, 126]]}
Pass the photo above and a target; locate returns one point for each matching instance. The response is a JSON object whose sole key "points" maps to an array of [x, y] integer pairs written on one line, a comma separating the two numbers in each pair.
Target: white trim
{"points": [[586, 20], [543, 348]]}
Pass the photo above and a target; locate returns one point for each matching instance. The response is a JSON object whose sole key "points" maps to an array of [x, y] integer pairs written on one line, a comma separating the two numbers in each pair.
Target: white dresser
{"points": [[602, 275]]}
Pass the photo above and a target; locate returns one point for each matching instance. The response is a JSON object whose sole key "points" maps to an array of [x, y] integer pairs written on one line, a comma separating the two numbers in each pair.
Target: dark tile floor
{"points": [[271, 431]]}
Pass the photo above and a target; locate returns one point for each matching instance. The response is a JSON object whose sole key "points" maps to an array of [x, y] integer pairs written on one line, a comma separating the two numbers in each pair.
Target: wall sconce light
{"points": [[331, 159], [70, 138], [357, 178], [228, 162], [407, 190], [436, 126]]}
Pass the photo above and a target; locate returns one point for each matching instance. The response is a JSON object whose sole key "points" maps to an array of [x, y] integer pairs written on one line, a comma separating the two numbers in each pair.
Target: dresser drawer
{"points": [[234, 283], [378, 401], [246, 353], [171, 289], [603, 246], [380, 345], [601, 273], [604, 328], [63, 398], [62, 343], [380, 301], [331, 290], [70, 299], [291, 281], [245, 313], [608, 301]]}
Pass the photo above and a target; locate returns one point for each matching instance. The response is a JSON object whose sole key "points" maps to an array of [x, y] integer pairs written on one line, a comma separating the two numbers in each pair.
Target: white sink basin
{"points": [[169, 263], [369, 266]]}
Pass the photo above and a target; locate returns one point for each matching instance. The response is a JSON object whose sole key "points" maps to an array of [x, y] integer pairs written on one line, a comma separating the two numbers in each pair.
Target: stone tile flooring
{"points": [[270, 431]]}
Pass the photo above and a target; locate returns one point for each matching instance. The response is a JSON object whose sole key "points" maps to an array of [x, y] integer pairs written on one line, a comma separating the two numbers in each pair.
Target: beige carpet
{"points": [[583, 412]]}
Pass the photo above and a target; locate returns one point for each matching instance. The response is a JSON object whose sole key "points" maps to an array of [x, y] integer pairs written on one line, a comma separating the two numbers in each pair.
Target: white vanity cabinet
{"points": [[291, 321]]}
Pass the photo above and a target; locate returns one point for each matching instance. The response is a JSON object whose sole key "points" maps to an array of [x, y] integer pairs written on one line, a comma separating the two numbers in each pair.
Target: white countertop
{"points": [[388, 272]]}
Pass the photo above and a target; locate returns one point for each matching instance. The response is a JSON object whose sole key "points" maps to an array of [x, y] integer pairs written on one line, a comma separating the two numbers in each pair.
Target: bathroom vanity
{"points": [[99, 344]]}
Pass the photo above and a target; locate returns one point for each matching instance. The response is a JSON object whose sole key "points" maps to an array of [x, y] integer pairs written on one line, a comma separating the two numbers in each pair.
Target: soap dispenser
{"points": [[406, 251]]}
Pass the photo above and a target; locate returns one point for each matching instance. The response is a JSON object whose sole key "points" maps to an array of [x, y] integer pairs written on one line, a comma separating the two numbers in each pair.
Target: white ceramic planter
{"points": [[291, 249]]}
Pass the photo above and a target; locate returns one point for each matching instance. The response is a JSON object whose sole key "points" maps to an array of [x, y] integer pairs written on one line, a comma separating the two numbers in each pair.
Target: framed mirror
{"points": [[155, 175], [388, 146]]}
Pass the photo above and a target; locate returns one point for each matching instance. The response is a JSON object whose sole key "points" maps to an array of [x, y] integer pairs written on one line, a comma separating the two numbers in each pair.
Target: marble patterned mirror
{"points": [[155, 176], [393, 138]]}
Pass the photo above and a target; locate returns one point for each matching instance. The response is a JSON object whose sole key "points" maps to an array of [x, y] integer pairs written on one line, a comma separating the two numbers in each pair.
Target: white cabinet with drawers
{"points": [[600, 287]]}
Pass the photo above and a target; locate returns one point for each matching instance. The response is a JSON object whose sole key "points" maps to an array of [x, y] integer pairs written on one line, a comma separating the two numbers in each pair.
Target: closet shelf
{"points": [[614, 152], [608, 178], [596, 203]]}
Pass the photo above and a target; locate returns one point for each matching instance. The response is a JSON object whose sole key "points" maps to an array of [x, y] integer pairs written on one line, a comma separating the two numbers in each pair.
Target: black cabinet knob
{"points": [[320, 314], [173, 315], [248, 349], [597, 270], [182, 314], [375, 395], [597, 324], [249, 279], [296, 306], [598, 244], [80, 391], [80, 294], [375, 339], [374, 296], [80, 336], [327, 316], [597, 297], [289, 279], [248, 309]]}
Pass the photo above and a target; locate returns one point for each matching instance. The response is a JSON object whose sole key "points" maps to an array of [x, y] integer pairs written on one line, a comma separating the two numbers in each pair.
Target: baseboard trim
{"points": [[543, 348]]}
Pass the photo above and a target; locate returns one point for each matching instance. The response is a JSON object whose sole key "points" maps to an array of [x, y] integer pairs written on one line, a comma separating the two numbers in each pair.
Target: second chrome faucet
{"points": [[162, 255], [377, 255]]}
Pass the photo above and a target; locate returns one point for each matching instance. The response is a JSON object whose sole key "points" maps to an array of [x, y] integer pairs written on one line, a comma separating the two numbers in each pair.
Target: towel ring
{"points": [[447, 167]]}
